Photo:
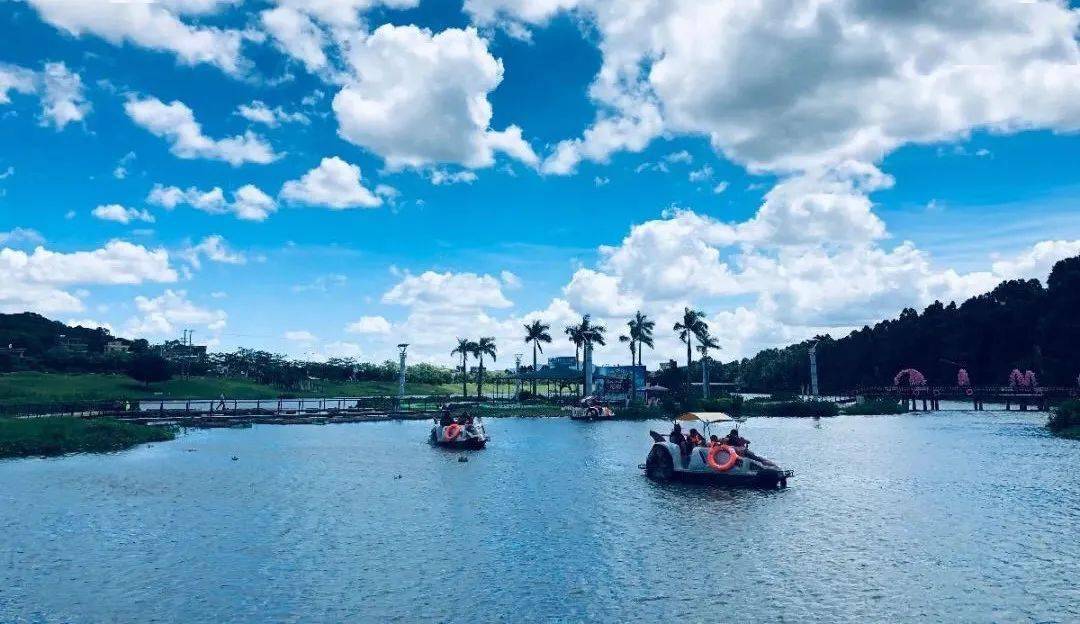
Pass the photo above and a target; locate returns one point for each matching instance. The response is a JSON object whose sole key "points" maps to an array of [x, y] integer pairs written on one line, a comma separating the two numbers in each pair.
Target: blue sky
{"points": [[773, 167]]}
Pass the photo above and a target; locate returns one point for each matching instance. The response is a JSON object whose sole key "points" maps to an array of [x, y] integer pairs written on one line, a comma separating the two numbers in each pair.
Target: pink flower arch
{"points": [[914, 378], [962, 378]]}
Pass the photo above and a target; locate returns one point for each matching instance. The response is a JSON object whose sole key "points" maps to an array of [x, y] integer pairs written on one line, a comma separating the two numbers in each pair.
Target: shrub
{"points": [[796, 408], [1064, 417]]}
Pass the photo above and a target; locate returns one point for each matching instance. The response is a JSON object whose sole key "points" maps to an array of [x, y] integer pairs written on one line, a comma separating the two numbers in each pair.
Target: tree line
{"points": [[1019, 324]]}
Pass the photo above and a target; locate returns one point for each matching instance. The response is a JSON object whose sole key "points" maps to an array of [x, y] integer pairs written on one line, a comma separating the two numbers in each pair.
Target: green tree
{"points": [[641, 331], [482, 347], [536, 333], [576, 336], [149, 368], [691, 326], [464, 348]]}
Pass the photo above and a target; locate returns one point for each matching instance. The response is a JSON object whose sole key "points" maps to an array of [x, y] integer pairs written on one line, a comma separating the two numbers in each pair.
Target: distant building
{"points": [[563, 361], [70, 345], [15, 352], [116, 347]]}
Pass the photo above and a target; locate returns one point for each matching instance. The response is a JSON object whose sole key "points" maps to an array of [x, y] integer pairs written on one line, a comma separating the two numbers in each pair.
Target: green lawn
{"points": [[56, 387], [32, 437]]}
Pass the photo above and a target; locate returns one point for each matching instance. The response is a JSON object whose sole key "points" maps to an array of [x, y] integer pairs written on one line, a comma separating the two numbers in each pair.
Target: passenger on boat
{"points": [[741, 446], [445, 419], [677, 438], [695, 439], [713, 441]]}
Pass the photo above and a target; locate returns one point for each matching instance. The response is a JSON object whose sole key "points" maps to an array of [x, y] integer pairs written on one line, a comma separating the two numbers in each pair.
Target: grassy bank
{"points": [[34, 387], [32, 437]]}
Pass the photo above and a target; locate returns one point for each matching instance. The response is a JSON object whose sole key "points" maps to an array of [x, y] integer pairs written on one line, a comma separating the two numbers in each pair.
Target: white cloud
{"points": [[249, 202], [369, 325], [17, 79], [215, 249], [21, 236], [61, 91], [785, 86], [440, 177], [35, 281], [322, 283], [442, 291], [301, 335], [297, 35], [701, 175], [334, 184], [153, 25], [258, 112], [62, 100], [1037, 261], [121, 171], [342, 13], [120, 214], [681, 156], [89, 324], [176, 123], [509, 279], [170, 312], [404, 77]]}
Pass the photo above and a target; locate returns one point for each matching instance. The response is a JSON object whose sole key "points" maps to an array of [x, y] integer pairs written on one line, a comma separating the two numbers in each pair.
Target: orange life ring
{"points": [[724, 467], [451, 432]]}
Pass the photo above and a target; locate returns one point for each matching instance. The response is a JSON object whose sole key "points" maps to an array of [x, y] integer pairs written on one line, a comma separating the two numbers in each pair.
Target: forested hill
{"points": [[1020, 324]]}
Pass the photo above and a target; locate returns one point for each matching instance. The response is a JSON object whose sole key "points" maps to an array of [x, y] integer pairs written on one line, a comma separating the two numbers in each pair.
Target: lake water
{"points": [[957, 517]]}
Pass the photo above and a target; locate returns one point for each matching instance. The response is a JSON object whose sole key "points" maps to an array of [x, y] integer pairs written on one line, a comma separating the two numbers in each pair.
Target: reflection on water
{"points": [[942, 517]]}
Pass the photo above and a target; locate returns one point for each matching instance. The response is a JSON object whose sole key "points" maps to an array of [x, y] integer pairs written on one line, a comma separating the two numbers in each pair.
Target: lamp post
{"points": [[401, 373], [813, 370]]}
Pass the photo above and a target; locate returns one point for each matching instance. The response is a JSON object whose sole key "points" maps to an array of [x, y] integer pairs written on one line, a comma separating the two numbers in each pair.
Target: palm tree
{"points": [[691, 326], [592, 334], [464, 348], [536, 333], [641, 329], [575, 335], [482, 347], [707, 342], [633, 346]]}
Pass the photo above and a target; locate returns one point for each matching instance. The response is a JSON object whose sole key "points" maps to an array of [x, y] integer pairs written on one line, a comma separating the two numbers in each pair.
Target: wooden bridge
{"points": [[927, 398]]}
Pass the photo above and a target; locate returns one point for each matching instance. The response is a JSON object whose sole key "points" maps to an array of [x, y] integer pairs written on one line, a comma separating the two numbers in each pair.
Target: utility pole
{"points": [[401, 374], [813, 370]]}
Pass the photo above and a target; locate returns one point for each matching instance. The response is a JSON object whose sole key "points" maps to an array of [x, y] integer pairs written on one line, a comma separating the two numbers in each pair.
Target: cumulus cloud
{"points": [[120, 214], [213, 248], [61, 91], [440, 291], [405, 76], [152, 25], [249, 202], [62, 98], [175, 122], [21, 236], [295, 34], [784, 86], [167, 313], [334, 184], [300, 335], [36, 281], [15, 79], [369, 325], [258, 112]]}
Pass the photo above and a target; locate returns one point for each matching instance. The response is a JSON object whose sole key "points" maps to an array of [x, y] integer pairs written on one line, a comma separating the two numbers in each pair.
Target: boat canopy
{"points": [[705, 417]]}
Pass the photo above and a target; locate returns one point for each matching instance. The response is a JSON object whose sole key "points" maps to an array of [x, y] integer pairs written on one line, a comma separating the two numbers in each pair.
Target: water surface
{"points": [[958, 517]]}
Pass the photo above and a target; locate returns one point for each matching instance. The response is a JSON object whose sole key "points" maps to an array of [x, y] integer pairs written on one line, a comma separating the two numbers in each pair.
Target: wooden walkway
{"points": [[929, 398]]}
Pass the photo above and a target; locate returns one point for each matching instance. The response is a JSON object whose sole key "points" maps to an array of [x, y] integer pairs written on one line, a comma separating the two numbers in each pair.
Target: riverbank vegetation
{"points": [[34, 437], [38, 387], [790, 407], [1019, 324], [1065, 420]]}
